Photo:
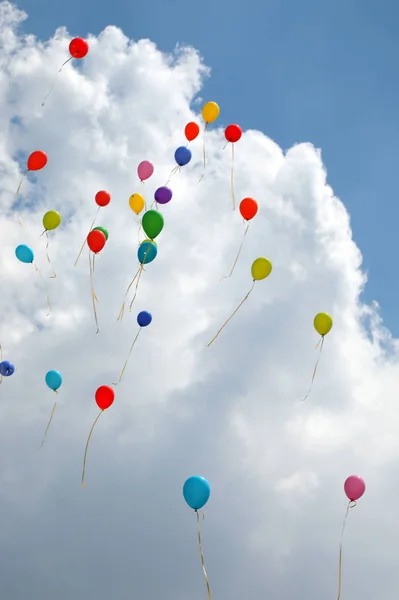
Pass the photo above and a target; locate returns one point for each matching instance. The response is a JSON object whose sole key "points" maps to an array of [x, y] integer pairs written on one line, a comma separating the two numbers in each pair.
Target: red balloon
{"points": [[78, 48], [248, 208], [105, 397], [103, 198], [96, 240], [233, 133], [191, 131], [37, 160]]}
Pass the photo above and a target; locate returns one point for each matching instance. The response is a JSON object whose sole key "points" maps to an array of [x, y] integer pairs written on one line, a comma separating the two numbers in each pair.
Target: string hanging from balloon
{"points": [[202, 554], [323, 324], [51, 220], [144, 319], [136, 204], [146, 253], [78, 48], [37, 160], [26, 255], [96, 241], [248, 209], [210, 112], [54, 381], [104, 398], [232, 134], [261, 268], [102, 199], [182, 157]]}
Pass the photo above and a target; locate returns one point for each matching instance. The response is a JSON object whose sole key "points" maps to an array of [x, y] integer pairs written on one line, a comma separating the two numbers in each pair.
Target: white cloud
{"points": [[231, 412]]}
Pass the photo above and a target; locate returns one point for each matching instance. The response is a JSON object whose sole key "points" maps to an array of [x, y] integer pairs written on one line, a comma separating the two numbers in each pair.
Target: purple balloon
{"points": [[163, 195]]}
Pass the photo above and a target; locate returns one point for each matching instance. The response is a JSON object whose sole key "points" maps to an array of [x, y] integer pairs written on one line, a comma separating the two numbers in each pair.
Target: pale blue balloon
{"points": [[54, 380], [24, 253], [196, 492]]}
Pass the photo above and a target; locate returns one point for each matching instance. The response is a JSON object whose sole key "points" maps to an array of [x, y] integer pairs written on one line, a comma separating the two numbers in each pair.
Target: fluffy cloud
{"points": [[231, 412]]}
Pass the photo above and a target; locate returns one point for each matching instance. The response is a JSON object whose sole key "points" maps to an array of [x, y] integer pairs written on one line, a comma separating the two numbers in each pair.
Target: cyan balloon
{"points": [[54, 380], [196, 492], [6, 368], [24, 253], [146, 252]]}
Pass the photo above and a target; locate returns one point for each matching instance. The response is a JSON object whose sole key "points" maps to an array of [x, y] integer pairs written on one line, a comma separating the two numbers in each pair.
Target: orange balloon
{"points": [[191, 131], [248, 208]]}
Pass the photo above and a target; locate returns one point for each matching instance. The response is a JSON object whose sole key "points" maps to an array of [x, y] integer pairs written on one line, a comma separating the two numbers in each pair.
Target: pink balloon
{"points": [[354, 487], [145, 170]]}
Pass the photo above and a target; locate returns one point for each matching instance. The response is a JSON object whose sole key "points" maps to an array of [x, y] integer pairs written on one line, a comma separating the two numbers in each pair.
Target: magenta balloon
{"points": [[163, 195], [145, 170], [354, 487]]}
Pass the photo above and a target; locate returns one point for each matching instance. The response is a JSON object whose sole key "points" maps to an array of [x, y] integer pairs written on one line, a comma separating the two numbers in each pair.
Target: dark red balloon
{"points": [[105, 397], [233, 133], [103, 198], [78, 48], [96, 240], [37, 160], [248, 208]]}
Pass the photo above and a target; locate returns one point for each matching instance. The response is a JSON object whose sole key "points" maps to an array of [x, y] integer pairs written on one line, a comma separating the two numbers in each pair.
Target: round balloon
{"points": [[54, 380], [196, 492], [103, 198], [37, 160], [210, 112], [191, 131], [78, 48], [248, 208], [105, 397], [145, 170], [233, 133], [105, 231], [152, 223], [323, 323], [354, 487], [261, 268], [182, 156], [163, 195], [136, 203], [6, 368], [24, 253], [144, 318], [96, 240], [51, 220], [147, 252]]}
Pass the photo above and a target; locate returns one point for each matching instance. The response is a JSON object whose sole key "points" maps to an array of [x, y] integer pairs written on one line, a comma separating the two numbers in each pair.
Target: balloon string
{"points": [[47, 254], [94, 298], [45, 285], [52, 85], [49, 422], [122, 310], [85, 240], [320, 343], [238, 255], [173, 171], [204, 152], [127, 360], [141, 269], [87, 447], [232, 315], [232, 177], [139, 229], [351, 504], [17, 192], [202, 555]]}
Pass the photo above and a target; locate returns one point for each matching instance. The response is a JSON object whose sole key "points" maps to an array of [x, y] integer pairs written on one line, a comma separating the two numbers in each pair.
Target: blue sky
{"points": [[324, 72]]}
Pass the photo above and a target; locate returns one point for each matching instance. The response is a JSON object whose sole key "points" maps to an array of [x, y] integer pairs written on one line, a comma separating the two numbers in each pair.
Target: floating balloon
{"points": [[144, 318], [232, 134], [54, 381], [104, 231], [261, 268], [210, 112], [152, 223], [136, 203], [102, 199], [51, 220], [36, 161], [145, 170], [78, 48], [96, 241], [323, 324], [104, 397], [146, 253], [6, 368], [191, 131], [183, 156], [163, 195], [248, 209], [24, 254]]}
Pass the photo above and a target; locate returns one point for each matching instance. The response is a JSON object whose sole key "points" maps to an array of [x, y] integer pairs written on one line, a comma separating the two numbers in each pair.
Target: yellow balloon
{"points": [[210, 112], [261, 268], [51, 220], [136, 203], [322, 323]]}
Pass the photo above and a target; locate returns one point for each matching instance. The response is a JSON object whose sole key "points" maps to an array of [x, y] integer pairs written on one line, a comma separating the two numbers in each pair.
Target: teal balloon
{"points": [[54, 380], [147, 252], [196, 492], [24, 253]]}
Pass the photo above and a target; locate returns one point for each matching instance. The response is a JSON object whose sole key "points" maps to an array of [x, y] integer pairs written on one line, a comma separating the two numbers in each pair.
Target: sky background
{"points": [[318, 71], [231, 412]]}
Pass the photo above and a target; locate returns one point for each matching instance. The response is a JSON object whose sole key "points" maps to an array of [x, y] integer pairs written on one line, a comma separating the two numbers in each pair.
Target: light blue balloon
{"points": [[24, 253], [196, 492], [147, 252], [54, 380]]}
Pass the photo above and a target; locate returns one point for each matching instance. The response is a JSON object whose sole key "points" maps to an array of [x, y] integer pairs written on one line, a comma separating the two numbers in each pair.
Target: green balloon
{"points": [[152, 223], [105, 232]]}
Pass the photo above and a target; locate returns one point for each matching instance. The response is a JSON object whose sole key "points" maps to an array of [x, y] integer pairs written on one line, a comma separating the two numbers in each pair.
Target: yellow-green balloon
{"points": [[51, 220], [261, 268]]}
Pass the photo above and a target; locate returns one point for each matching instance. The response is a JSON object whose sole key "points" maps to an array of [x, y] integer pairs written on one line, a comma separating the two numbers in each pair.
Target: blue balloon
{"points": [[54, 380], [196, 492], [144, 318], [147, 252], [183, 156], [6, 368], [24, 253]]}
